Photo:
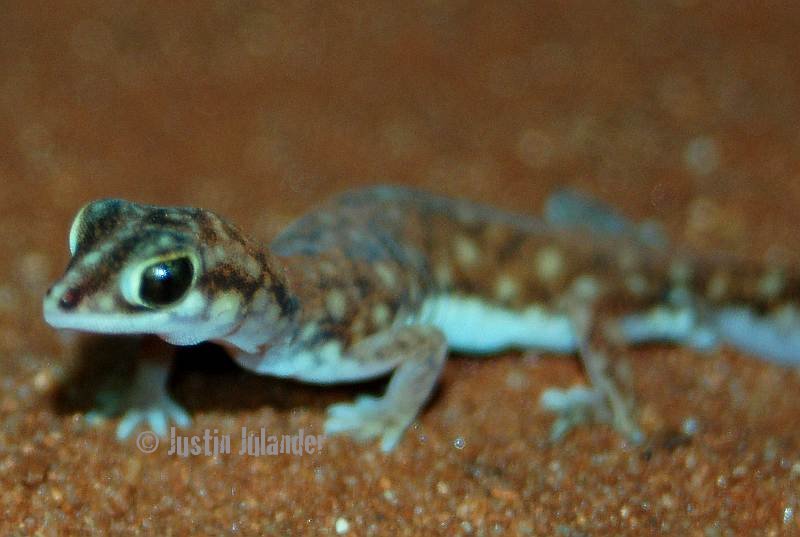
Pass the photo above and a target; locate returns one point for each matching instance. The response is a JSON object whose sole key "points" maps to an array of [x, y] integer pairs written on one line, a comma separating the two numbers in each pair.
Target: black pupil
{"points": [[165, 282]]}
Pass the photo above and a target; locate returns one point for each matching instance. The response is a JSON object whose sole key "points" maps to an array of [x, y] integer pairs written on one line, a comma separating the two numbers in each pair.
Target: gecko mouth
{"points": [[59, 315], [103, 323]]}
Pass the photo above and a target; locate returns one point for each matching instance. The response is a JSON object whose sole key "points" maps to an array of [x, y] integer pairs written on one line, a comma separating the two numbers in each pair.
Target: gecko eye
{"points": [[166, 282]]}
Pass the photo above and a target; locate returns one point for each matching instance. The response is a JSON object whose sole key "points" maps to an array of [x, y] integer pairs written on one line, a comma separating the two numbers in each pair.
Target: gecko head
{"points": [[178, 272]]}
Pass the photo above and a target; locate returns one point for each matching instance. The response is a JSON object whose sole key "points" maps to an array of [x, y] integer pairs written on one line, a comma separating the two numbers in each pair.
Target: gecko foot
{"points": [[156, 413], [157, 416], [573, 407], [422, 351], [580, 405], [367, 418], [146, 401]]}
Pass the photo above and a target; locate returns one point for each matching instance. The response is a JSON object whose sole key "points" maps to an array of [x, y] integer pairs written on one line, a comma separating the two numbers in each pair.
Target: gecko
{"points": [[385, 280]]}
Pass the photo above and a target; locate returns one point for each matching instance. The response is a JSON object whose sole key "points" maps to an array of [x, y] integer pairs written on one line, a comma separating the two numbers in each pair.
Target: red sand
{"points": [[683, 111]]}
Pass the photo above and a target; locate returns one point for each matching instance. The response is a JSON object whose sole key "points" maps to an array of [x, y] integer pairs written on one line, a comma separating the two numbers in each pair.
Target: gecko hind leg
{"points": [[421, 352], [570, 209], [604, 401]]}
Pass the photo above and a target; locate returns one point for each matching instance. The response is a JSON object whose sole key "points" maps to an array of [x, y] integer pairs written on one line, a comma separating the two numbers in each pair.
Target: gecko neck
{"points": [[270, 315]]}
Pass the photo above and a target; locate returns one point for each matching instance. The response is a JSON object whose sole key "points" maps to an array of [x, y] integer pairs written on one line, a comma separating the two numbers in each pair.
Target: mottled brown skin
{"points": [[436, 245]]}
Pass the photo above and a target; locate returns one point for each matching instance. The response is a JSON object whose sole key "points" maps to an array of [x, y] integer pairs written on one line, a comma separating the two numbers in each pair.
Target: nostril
{"points": [[49, 291], [69, 299]]}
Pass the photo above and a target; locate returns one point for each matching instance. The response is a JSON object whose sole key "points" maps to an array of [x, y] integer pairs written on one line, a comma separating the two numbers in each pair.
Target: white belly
{"points": [[324, 365], [474, 326]]}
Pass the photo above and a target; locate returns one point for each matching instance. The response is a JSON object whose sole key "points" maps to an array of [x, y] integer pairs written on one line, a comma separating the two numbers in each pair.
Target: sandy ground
{"points": [[683, 111]]}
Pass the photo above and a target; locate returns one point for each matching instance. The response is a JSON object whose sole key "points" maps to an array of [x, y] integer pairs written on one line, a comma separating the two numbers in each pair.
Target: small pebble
{"points": [[342, 526], [788, 514]]}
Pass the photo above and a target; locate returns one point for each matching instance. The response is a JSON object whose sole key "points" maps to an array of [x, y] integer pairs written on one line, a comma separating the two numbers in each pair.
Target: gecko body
{"points": [[387, 279]]}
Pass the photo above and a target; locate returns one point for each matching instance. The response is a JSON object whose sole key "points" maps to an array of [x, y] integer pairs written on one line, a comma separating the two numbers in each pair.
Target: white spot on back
{"points": [[467, 252], [308, 331], [336, 304], [253, 267], [443, 274], [771, 284], [636, 284], [380, 314], [91, 258], [505, 288], [386, 275], [549, 264], [586, 287]]}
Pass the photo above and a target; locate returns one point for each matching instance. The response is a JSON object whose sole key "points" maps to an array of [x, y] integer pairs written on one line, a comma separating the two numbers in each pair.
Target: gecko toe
{"points": [[128, 423], [96, 417], [391, 438], [157, 421], [157, 415], [365, 419]]}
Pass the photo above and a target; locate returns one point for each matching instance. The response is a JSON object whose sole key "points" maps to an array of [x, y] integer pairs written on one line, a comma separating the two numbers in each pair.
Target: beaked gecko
{"points": [[387, 279]]}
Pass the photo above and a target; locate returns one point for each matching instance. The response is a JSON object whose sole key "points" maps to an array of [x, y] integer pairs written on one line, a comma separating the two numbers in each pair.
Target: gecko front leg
{"points": [[146, 399], [421, 352]]}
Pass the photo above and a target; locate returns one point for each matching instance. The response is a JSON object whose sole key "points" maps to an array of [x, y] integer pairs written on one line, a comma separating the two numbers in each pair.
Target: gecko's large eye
{"points": [[165, 282]]}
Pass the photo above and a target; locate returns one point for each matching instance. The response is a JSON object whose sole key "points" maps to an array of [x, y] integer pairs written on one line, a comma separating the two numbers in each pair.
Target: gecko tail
{"points": [[568, 208], [774, 338]]}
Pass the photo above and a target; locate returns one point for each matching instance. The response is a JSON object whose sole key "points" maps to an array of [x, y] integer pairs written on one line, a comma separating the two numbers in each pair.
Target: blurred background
{"points": [[260, 109], [685, 111]]}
